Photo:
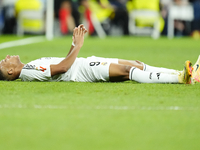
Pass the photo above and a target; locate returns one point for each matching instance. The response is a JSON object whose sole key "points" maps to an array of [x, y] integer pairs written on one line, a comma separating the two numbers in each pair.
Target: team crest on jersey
{"points": [[104, 63]]}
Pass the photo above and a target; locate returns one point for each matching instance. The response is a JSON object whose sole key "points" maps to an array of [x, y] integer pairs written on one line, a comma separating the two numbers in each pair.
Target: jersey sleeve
{"points": [[35, 73]]}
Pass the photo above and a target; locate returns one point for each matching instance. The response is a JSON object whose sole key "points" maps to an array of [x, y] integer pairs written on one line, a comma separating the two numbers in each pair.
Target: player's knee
{"points": [[139, 64], [124, 70], [127, 70]]}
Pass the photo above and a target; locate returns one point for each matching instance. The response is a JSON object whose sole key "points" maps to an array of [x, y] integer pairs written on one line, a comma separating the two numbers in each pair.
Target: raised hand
{"points": [[83, 28], [78, 34]]}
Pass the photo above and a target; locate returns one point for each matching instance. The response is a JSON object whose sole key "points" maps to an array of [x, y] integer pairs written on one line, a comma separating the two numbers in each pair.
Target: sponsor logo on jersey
{"points": [[28, 66], [104, 63]]}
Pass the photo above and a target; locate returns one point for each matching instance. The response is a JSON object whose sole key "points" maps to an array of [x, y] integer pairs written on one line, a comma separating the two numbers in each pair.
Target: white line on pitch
{"points": [[145, 108], [22, 42]]}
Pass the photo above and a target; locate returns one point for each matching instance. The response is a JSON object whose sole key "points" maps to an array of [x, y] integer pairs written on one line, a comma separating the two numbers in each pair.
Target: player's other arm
{"points": [[64, 65]]}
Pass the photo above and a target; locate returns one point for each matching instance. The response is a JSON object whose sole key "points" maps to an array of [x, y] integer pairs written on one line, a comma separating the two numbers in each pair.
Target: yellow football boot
{"points": [[186, 74]]}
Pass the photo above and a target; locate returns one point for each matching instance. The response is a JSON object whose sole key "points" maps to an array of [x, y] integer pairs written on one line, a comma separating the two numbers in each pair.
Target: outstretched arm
{"points": [[63, 66], [72, 46]]}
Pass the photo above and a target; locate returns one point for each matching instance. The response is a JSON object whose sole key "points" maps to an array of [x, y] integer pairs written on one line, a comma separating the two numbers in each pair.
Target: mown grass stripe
{"points": [[21, 106], [22, 42]]}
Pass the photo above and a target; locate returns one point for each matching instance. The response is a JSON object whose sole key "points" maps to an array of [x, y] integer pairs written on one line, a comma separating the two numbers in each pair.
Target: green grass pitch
{"points": [[102, 116]]}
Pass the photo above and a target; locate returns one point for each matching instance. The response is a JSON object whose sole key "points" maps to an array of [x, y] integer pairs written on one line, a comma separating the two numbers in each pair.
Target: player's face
{"points": [[9, 62]]}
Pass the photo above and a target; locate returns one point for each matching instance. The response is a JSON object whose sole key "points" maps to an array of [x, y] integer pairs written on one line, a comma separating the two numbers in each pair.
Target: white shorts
{"points": [[94, 69]]}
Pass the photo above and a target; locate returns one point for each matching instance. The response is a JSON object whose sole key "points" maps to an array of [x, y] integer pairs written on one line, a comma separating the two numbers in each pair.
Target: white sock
{"points": [[151, 77], [159, 69]]}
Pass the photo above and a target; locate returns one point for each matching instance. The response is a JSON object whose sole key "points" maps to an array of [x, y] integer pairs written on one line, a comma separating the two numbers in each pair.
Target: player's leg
{"points": [[156, 77], [145, 67], [119, 72], [152, 77]]}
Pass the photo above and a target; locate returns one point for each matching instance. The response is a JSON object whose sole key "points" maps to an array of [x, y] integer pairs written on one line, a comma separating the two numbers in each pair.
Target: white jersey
{"points": [[91, 69], [39, 70]]}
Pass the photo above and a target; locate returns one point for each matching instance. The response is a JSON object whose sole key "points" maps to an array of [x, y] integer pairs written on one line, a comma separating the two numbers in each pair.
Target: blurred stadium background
{"points": [[102, 17]]}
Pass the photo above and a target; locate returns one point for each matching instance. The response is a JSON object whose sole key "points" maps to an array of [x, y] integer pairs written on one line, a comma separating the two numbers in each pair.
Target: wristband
{"points": [[73, 43]]}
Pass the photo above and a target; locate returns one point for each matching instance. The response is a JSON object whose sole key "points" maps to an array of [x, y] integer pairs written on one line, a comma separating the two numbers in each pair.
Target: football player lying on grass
{"points": [[92, 69]]}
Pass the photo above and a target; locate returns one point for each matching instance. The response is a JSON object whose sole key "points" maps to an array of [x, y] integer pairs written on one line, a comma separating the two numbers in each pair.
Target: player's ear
{"points": [[10, 71]]}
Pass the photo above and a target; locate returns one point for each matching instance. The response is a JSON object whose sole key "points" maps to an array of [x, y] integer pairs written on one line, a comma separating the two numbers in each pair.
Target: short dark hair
{"points": [[2, 76]]}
